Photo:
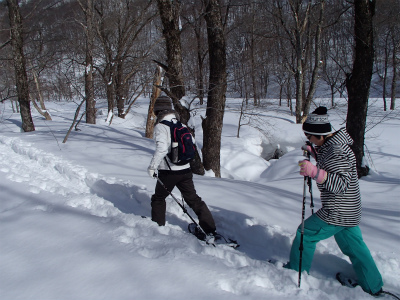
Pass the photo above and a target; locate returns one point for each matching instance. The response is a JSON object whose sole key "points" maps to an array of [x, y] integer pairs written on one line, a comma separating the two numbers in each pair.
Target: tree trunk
{"points": [[200, 60], [42, 109], [20, 65], [359, 81], [394, 78], [88, 10], [44, 113], [119, 90], [299, 77], [317, 63], [384, 82], [154, 95], [169, 13], [110, 84], [212, 124]]}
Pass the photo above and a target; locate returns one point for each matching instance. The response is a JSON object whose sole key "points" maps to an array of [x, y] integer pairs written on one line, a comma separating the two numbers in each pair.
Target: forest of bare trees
{"points": [[84, 50]]}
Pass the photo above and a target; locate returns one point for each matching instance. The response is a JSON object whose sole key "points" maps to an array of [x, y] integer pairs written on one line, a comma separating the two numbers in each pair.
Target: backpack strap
{"points": [[165, 122]]}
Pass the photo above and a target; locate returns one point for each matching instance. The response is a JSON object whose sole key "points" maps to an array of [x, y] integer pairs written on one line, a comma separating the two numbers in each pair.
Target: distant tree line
{"points": [[84, 50]]}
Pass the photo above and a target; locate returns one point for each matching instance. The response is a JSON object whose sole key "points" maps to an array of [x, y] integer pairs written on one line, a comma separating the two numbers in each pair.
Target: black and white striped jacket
{"points": [[340, 193]]}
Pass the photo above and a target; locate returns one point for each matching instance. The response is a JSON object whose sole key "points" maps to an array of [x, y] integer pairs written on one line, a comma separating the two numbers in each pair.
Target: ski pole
{"points": [[311, 195], [309, 182], [307, 154], [176, 200]]}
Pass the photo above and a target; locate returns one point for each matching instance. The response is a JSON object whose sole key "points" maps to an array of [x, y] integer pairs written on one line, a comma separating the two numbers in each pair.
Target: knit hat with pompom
{"points": [[317, 122]]}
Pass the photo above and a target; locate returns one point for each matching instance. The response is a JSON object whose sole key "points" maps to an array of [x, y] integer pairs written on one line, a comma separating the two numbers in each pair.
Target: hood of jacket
{"points": [[340, 137]]}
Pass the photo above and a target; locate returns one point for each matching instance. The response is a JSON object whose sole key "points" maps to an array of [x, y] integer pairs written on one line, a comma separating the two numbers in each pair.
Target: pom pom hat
{"points": [[162, 103], [317, 122]]}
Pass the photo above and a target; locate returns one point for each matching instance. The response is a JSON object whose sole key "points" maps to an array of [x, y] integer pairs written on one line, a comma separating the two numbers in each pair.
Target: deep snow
{"points": [[71, 223]]}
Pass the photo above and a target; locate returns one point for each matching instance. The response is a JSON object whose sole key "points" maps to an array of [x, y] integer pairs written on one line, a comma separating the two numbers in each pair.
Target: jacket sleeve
{"points": [[163, 141], [338, 168]]}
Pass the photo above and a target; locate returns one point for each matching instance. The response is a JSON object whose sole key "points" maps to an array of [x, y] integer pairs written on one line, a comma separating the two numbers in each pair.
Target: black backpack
{"points": [[183, 151]]}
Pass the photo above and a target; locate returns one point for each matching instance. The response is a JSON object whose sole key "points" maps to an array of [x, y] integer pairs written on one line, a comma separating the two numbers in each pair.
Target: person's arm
{"points": [[339, 171], [161, 136]]}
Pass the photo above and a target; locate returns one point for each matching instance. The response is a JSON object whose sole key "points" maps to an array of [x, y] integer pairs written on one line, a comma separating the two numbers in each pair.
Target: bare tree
{"points": [[358, 82], [21, 77], [387, 45], [157, 81], [213, 122], [301, 27], [196, 49], [170, 18], [87, 7], [120, 26]]}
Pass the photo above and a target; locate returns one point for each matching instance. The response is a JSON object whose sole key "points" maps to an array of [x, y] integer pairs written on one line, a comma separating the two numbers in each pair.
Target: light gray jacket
{"points": [[162, 136]]}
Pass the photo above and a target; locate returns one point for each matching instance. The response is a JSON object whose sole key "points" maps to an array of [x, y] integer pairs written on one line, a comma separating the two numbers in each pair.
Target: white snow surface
{"points": [[71, 224]]}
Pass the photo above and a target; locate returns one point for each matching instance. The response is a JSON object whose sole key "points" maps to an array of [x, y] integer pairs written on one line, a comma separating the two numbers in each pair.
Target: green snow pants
{"points": [[350, 242]]}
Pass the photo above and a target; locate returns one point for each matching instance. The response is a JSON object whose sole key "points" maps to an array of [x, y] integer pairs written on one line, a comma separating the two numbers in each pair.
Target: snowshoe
{"points": [[212, 238], [352, 283], [346, 281]]}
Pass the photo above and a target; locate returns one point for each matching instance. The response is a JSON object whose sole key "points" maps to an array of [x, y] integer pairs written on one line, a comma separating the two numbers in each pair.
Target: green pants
{"points": [[350, 242]]}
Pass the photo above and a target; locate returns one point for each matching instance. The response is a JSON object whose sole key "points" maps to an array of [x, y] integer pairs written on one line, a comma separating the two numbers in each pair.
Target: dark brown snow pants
{"points": [[183, 180]]}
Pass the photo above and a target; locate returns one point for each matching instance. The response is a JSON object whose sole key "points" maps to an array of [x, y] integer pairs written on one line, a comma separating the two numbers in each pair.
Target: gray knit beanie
{"points": [[162, 103]]}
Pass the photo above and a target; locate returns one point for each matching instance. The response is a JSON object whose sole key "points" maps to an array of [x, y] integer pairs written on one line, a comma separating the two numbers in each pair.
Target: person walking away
{"points": [[336, 176], [172, 175]]}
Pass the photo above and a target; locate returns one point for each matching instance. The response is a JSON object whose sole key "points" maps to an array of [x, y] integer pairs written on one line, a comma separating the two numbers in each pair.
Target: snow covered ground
{"points": [[71, 224]]}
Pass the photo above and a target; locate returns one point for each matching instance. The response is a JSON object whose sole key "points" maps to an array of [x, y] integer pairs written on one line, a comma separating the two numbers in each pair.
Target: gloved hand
{"points": [[151, 172], [308, 169], [309, 149]]}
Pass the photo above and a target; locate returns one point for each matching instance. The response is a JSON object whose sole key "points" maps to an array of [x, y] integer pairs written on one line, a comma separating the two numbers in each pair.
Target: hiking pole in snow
{"points": [[176, 200], [307, 154]]}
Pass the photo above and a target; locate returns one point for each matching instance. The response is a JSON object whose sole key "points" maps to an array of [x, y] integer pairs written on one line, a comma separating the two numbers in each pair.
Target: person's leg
{"points": [[158, 206], [315, 230], [351, 243], [186, 187]]}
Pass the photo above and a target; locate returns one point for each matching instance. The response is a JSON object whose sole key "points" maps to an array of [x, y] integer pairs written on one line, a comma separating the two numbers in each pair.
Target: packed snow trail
{"points": [[121, 204]]}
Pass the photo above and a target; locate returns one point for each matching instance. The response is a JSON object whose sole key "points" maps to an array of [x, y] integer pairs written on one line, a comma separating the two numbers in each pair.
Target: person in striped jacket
{"points": [[336, 176]]}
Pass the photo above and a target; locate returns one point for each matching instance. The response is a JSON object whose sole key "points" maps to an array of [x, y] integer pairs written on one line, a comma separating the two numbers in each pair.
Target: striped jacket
{"points": [[340, 193]]}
